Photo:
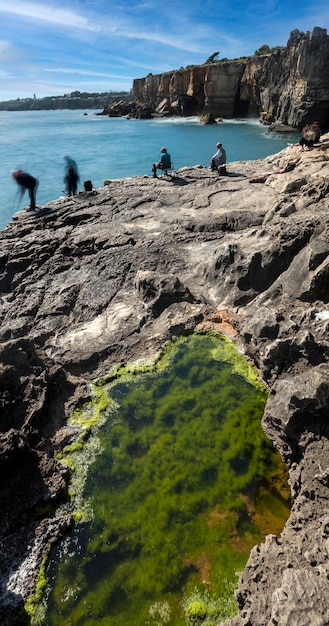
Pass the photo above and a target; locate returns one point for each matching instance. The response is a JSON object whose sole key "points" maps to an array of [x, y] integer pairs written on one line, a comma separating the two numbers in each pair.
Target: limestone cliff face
{"points": [[290, 85], [221, 88], [205, 88]]}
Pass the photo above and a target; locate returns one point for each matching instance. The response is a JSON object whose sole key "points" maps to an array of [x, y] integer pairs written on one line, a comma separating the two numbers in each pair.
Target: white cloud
{"points": [[119, 28], [9, 53], [89, 73], [167, 39], [47, 13]]}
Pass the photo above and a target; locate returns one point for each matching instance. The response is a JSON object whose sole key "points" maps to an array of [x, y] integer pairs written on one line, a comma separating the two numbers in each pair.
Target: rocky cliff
{"points": [[108, 277], [205, 88], [290, 85]]}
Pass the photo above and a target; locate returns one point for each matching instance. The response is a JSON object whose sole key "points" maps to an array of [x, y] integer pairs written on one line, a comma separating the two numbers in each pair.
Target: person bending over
{"points": [[163, 164], [26, 181]]}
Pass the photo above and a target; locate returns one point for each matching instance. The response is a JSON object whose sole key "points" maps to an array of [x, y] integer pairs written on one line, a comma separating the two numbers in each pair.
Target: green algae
{"points": [[178, 481], [34, 605]]}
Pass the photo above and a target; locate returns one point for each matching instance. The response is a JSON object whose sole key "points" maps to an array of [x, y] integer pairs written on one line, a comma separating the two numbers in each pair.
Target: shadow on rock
{"points": [[178, 181]]}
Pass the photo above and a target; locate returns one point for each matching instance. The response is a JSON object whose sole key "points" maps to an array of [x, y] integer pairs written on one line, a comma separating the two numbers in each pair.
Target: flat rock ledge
{"points": [[108, 277]]}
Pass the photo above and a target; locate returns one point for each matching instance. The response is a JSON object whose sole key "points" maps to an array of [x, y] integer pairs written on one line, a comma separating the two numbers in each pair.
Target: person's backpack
{"points": [[222, 170], [88, 185]]}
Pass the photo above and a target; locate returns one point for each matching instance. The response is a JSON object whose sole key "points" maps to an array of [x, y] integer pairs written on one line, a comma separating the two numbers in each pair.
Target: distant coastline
{"points": [[74, 100]]}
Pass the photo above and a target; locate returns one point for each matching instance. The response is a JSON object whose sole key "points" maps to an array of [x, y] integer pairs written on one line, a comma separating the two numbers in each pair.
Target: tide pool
{"points": [[37, 141], [181, 482]]}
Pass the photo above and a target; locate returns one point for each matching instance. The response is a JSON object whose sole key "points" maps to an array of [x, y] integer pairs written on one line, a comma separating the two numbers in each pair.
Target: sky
{"points": [[59, 46]]}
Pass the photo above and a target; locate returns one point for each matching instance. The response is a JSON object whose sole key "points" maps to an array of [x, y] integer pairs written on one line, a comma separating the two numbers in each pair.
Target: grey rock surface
{"points": [[108, 277]]}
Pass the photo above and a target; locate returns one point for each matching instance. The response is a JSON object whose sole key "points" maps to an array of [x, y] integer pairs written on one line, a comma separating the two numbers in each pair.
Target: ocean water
{"points": [[103, 147]]}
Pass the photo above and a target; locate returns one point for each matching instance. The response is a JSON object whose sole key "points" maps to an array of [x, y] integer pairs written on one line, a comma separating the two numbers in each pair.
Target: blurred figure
{"points": [[309, 134], [26, 181], [71, 177], [318, 131]]}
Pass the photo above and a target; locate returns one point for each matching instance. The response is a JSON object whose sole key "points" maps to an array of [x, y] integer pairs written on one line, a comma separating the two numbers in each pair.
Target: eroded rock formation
{"points": [[290, 85], [108, 277], [210, 88]]}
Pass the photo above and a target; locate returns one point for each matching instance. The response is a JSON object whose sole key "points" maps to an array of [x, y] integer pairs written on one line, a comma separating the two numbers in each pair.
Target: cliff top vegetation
{"points": [[264, 49]]}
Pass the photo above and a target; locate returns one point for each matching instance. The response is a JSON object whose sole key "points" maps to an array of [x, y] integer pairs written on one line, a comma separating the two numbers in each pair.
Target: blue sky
{"points": [[55, 47]]}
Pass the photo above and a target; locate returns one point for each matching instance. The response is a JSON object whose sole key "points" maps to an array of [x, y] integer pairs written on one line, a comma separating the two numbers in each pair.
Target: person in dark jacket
{"points": [[26, 181], [163, 164], [71, 177]]}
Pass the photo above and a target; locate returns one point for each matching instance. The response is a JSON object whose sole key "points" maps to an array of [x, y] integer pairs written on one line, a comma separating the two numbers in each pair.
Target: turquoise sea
{"points": [[103, 147]]}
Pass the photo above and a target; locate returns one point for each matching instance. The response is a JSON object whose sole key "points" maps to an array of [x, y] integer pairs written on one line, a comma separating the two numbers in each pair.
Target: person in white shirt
{"points": [[219, 158]]}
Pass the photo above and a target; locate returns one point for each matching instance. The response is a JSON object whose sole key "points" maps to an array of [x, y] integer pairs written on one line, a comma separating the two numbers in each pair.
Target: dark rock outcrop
{"points": [[289, 85], [128, 109], [108, 277]]}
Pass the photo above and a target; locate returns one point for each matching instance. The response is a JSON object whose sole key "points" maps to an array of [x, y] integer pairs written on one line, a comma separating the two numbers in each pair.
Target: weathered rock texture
{"points": [[290, 85], [200, 89], [107, 278]]}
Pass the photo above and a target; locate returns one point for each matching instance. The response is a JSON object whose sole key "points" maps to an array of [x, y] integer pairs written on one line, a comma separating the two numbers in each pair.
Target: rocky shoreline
{"points": [[108, 277]]}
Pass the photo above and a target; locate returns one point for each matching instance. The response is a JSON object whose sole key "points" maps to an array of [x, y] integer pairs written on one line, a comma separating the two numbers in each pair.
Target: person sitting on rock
{"points": [[26, 181], [218, 160], [308, 137], [163, 164]]}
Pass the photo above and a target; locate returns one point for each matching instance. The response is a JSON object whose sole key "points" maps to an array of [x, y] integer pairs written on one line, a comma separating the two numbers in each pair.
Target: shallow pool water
{"points": [[183, 485]]}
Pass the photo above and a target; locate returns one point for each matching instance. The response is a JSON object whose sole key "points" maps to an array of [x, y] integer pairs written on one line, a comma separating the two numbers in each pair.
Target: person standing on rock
{"points": [[163, 164], [71, 177], [218, 160], [26, 181]]}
